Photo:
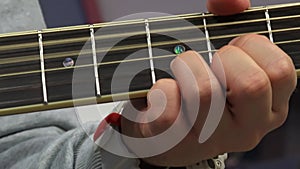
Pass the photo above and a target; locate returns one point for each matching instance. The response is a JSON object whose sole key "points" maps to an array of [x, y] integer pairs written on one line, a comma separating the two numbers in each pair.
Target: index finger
{"points": [[227, 7]]}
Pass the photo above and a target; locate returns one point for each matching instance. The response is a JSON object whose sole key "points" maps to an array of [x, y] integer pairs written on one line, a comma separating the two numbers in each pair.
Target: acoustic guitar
{"points": [[38, 68]]}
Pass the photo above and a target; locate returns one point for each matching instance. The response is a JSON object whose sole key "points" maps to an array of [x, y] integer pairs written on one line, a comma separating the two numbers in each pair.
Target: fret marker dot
{"points": [[68, 62], [179, 49]]}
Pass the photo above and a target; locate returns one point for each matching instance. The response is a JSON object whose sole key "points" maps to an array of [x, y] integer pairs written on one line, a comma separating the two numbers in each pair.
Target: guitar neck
{"points": [[88, 64]]}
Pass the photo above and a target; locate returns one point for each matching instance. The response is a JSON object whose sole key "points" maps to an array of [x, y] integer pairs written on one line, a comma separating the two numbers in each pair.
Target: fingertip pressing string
{"points": [[113, 119]]}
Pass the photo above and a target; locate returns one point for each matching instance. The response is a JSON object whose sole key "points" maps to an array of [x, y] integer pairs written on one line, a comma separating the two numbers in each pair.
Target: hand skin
{"points": [[227, 7], [260, 79]]}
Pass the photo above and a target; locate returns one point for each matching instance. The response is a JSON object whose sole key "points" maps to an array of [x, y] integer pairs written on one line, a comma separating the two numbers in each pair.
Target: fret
{"points": [[207, 39], [16, 89], [150, 51], [292, 35], [186, 32], [202, 46], [117, 73], [221, 35], [269, 26], [43, 77], [93, 42], [63, 60]]}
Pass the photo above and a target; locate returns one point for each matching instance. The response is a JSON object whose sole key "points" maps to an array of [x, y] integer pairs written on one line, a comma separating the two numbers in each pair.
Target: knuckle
{"points": [[282, 69], [162, 82], [192, 94], [255, 84], [224, 49], [255, 36], [205, 89], [249, 38], [166, 83], [211, 85]]}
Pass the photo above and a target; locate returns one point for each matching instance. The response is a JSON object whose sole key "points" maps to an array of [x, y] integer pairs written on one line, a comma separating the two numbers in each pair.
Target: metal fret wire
{"points": [[148, 34], [96, 73], [207, 40], [43, 75], [269, 26]]}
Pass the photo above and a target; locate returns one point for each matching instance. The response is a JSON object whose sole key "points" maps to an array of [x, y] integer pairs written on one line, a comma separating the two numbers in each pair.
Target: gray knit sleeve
{"points": [[54, 140]]}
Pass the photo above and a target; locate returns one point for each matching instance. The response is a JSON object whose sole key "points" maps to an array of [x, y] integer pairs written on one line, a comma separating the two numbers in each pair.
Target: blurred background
{"points": [[279, 150], [74, 12]]}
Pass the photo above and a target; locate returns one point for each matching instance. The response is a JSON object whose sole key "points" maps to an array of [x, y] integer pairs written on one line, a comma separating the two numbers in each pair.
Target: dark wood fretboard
{"points": [[55, 68]]}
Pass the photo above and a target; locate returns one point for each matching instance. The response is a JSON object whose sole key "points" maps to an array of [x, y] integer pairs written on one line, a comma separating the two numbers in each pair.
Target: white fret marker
{"points": [[207, 39], [92, 32], [150, 51], [44, 86], [269, 24]]}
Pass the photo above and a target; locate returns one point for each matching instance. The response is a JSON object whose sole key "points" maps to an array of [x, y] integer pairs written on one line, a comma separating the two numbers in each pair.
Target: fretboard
{"points": [[80, 65]]}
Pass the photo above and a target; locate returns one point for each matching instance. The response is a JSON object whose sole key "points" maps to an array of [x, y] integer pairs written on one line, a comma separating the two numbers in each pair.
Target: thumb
{"points": [[227, 7]]}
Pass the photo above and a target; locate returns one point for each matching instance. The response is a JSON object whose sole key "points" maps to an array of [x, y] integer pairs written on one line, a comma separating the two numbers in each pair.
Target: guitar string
{"points": [[116, 62], [283, 42], [119, 61], [137, 46], [24, 87], [174, 42], [154, 31], [20, 88]]}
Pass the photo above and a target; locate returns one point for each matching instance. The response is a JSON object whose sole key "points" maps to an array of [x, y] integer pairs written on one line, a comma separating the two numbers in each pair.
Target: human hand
{"points": [[259, 79]]}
